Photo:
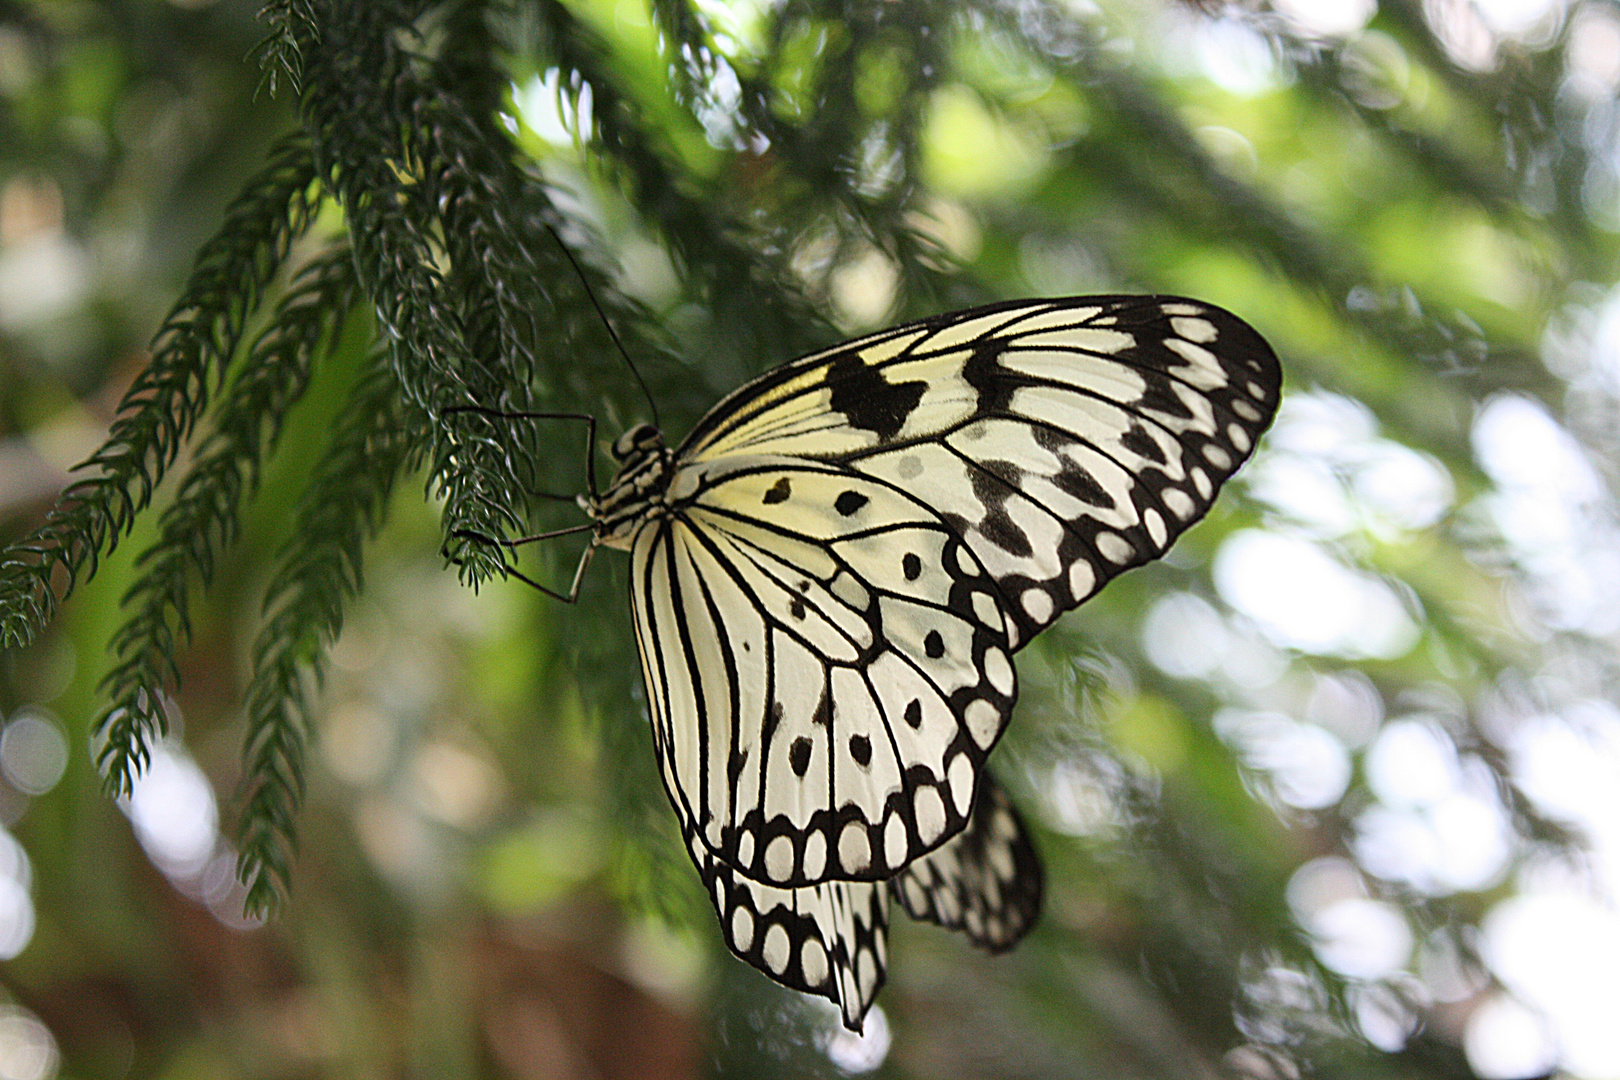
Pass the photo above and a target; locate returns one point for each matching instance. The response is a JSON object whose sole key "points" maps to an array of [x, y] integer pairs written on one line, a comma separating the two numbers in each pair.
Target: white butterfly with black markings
{"points": [[831, 573]]}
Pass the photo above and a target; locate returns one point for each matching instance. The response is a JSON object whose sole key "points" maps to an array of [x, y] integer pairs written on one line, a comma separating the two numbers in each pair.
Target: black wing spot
{"points": [[735, 766], [914, 714], [860, 748], [912, 566], [868, 400], [1140, 443], [1083, 486], [799, 756], [773, 717], [778, 492], [823, 714], [994, 383], [849, 502], [934, 645], [1003, 532], [796, 607]]}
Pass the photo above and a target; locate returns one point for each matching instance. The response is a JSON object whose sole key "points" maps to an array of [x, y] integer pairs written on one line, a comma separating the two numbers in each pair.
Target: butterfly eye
{"points": [[640, 437]]}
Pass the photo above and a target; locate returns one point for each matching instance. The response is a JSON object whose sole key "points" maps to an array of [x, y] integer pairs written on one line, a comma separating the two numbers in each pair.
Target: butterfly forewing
{"points": [[828, 667], [1064, 440]]}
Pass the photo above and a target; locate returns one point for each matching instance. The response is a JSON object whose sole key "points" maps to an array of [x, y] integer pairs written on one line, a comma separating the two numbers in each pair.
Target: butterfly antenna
{"points": [[612, 333]]}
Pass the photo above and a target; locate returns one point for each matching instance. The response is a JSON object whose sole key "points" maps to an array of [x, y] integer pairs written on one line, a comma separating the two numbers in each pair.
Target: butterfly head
{"points": [[637, 492], [639, 440]]}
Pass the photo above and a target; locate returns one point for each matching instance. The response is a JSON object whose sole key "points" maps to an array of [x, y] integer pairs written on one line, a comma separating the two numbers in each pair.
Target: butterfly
{"points": [[831, 573]]}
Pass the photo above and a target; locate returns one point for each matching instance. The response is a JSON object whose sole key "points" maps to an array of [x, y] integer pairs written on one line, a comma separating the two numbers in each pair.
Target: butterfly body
{"points": [[830, 574]]}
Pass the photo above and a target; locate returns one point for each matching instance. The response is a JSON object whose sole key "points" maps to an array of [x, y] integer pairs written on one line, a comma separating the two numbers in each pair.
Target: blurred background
{"points": [[1332, 789]]}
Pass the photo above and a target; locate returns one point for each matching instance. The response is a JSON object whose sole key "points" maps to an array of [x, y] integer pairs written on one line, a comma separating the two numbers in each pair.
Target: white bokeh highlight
{"points": [[27, 1049], [16, 902], [173, 812], [1303, 598], [33, 753], [1552, 512]]}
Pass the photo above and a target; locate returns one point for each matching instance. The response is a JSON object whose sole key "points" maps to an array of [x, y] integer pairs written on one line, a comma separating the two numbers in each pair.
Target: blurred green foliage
{"points": [[443, 785]]}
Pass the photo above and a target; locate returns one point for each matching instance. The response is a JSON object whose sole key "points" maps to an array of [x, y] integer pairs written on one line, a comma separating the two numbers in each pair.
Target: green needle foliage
{"points": [[203, 519], [319, 571], [189, 358]]}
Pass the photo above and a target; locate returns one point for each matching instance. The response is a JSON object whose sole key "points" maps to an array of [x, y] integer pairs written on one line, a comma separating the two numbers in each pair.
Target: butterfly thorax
{"points": [[637, 491]]}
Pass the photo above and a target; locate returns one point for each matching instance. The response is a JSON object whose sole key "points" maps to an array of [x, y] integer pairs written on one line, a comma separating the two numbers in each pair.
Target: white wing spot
{"points": [[1003, 825], [779, 859], [998, 670], [1155, 527], [964, 562], [1179, 503], [961, 781], [1217, 456], [850, 591], [1256, 391], [745, 847], [983, 723], [1200, 481], [815, 854], [1001, 861], [854, 849], [894, 841], [1238, 437], [1082, 579], [1245, 410], [775, 949], [1114, 547], [1199, 330], [1037, 604], [985, 609], [1193, 354], [742, 928], [929, 810], [813, 962], [866, 970]]}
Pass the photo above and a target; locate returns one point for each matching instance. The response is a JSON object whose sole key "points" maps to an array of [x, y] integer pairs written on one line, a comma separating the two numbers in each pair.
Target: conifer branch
{"points": [[189, 356], [320, 570], [204, 518], [364, 93], [733, 276], [278, 51]]}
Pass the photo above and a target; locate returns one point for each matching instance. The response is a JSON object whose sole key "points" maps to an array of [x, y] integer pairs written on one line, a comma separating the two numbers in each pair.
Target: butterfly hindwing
{"points": [[1064, 440], [829, 939], [827, 666], [986, 882]]}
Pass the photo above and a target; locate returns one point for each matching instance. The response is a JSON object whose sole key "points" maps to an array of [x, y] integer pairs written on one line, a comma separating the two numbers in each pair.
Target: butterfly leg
{"points": [[579, 571]]}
